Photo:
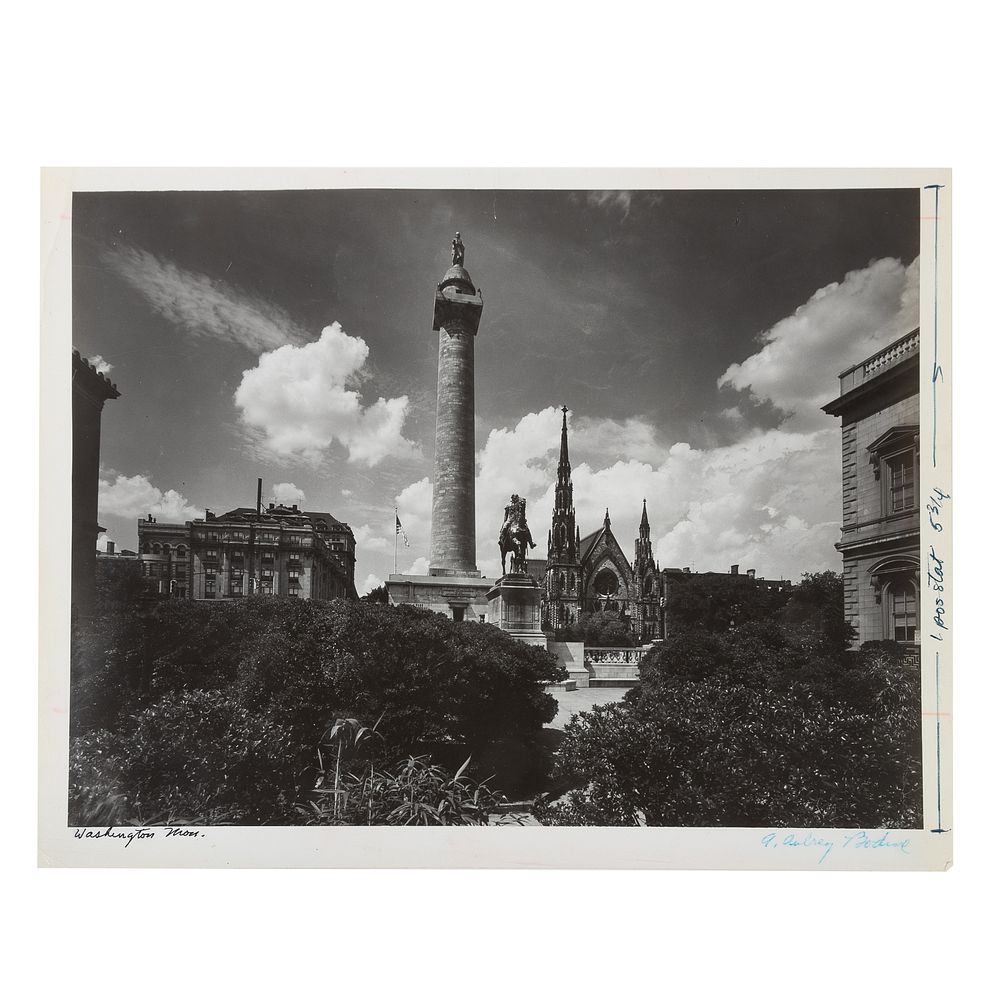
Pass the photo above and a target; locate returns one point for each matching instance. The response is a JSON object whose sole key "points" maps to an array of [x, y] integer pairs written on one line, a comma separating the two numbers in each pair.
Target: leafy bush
{"points": [[604, 629], [715, 736], [205, 709], [717, 602]]}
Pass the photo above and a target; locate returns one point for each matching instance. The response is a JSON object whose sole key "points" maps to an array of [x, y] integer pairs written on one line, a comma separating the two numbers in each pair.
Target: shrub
{"points": [[220, 710], [604, 629], [791, 743], [413, 793]]}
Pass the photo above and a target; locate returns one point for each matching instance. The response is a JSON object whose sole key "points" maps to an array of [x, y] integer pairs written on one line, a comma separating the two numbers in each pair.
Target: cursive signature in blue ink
{"points": [[800, 840], [865, 841]]}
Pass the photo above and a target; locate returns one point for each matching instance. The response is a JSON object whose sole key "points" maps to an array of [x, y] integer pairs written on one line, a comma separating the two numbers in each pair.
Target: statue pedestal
{"points": [[515, 605]]}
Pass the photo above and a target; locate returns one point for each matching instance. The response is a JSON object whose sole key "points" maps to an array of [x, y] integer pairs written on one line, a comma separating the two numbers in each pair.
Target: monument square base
{"points": [[515, 605], [461, 598]]}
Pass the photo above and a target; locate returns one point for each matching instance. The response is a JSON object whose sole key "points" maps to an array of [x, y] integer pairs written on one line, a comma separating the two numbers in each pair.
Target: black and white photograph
{"points": [[554, 508]]}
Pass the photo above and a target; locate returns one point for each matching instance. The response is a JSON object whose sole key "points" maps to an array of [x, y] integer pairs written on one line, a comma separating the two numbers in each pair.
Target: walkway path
{"points": [[582, 700]]}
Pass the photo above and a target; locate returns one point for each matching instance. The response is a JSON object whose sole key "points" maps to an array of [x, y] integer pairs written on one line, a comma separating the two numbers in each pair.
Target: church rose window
{"points": [[606, 583]]}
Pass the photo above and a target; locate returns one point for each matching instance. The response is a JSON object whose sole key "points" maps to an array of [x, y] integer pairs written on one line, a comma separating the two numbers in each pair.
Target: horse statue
{"points": [[515, 537]]}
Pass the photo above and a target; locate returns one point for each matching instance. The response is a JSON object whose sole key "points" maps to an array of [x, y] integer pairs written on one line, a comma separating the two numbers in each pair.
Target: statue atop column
{"points": [[515, 537], [458, 250]]}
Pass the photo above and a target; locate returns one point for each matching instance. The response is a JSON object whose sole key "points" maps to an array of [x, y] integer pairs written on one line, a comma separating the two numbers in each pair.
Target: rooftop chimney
{"points": [[260, 486], [752, 573], [111, 548], [735, 569]]}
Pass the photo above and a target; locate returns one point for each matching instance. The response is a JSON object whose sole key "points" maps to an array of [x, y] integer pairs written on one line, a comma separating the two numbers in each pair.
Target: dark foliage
{"points": [[377, 595], [718, 602], [200, 707], [748, 730], [813, 618], [604, 629]]}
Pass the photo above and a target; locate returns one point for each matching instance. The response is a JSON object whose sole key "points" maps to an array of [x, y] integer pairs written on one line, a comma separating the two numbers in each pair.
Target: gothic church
{"points": [[583, 575]]}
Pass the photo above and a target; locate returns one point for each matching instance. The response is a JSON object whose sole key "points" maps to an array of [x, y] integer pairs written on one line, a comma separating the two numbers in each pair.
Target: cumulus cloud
{"points": [[371, 541], [372, 582], [102, 366], [840, 325], [287, 493], [202, 306], [136, 496], [297, 402]]}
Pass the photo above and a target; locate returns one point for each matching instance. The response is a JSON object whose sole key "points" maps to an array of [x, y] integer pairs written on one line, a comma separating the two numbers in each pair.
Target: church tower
{"points": [[648, 584], [458, 307], [562, 570]]}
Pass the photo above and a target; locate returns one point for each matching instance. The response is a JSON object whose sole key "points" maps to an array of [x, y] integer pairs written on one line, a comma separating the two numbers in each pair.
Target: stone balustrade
{"points": [[895, 351]]}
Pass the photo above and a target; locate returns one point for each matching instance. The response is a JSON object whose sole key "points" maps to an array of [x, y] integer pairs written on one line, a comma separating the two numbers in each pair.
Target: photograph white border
{"points": [[497, 847]]}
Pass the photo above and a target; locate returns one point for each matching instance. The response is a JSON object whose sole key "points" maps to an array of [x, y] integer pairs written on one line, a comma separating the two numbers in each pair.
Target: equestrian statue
{"points": [[515, 536]]}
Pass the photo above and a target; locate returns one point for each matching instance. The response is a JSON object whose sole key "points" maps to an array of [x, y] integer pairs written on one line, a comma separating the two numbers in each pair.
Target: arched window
{"points": [[145, 548], [156, 549], [181, 552], [895, 581], [606, 583]]}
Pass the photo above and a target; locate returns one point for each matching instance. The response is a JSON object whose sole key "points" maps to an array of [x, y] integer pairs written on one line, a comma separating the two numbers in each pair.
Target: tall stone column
{"points": [[458, 307]]}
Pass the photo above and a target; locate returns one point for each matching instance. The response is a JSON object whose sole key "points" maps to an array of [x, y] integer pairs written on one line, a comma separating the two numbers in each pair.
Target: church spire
{"points": [[643, 545], [563, 545], [564, 468]]}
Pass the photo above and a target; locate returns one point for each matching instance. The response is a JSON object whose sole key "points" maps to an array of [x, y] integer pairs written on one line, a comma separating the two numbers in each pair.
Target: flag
{"points": [[399, 531]]}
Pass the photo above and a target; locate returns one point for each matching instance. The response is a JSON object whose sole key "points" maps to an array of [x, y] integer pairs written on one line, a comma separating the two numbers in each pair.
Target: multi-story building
{"points": [[280, 550], [90, 391], [879, 408]]}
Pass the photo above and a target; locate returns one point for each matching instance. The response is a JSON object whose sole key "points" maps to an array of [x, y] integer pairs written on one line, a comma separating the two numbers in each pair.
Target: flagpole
{"points": [[395, 537]]}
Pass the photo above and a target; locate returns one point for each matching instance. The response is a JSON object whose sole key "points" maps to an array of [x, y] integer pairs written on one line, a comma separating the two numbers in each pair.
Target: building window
{"points": [[181, 552], [210, 590], [902, 611], [236, 586], [899, 481], [893, 458]]}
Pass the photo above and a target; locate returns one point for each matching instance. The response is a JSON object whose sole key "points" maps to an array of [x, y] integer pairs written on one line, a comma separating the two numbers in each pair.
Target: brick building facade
{"points": [[879, 409]]}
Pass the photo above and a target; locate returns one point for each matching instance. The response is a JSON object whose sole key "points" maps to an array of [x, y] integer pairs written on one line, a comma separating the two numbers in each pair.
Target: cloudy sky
{"points": [[693, 336]]}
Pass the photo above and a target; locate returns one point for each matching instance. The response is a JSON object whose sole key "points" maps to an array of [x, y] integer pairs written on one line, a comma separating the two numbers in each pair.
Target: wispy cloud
{"points": [[102, 366], [201, 306], [617, 203]]}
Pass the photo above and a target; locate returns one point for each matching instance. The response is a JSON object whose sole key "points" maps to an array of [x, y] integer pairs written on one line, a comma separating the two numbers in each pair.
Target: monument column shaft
{"points": [[453, 518]]}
